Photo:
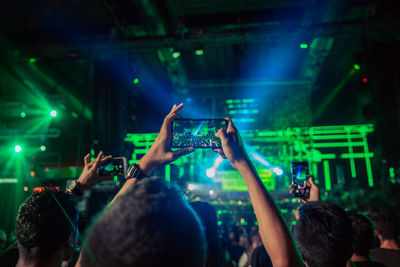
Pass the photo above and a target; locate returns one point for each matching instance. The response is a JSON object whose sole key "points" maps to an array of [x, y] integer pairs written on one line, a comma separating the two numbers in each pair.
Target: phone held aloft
{"points": [[300, 175], [198, 133], [113, 167]]}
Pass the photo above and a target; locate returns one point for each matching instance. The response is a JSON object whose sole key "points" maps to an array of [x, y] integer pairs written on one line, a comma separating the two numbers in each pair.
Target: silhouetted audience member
{"points": [[149, 225], [255, 242], [215, 255], [363, 240], [323, 234], [234, 249], [45, 234], [388, 252], [260, 257]]}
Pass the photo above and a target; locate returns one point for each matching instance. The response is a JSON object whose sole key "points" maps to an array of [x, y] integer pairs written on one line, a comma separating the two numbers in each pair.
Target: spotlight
{"points": [[356, 66], [25, 188], [22, 114], [211, 192], [191, 187], [210, 172], [364, 80], [136, 80], [277, 171], [43, 148], [17, 148], [53, 113], [304, 46], [176, 54], [199, 52]]}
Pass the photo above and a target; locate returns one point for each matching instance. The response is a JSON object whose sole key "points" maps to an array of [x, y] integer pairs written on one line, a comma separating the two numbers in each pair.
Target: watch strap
{"points": [[73, 189], [135, 172]]}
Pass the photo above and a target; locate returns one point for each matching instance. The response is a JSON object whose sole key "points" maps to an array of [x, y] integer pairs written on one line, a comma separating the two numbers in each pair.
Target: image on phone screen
{"points": [[113, 167], [300, 173], [199, 133]]}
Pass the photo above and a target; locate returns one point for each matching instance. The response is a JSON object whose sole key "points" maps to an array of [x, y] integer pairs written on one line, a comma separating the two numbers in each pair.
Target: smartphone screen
{"points": [[300, 174], [113, 167], [300, 171], [198, 133]]}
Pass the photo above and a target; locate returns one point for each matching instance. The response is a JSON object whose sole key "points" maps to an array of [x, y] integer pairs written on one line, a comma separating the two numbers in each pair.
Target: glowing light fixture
{"points": [[43, 148], [23, 115], [210, 172], [191, 187], [199, 52], [304, 46], [17, 148], [136, 80], [53, 113], [277, 171], [32, 60], [176, 54], [356, 67]]}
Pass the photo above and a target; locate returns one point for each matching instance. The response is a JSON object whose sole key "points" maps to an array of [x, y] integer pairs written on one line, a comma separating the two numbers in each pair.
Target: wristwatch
{"points": [[73, 188], [135, 172]]}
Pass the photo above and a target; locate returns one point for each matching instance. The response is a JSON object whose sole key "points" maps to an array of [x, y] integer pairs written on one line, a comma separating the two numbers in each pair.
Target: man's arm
{"points": [[273, 230]]}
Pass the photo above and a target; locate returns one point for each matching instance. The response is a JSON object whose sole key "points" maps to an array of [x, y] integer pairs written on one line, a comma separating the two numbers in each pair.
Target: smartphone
{"points": [[300, 175], [113, 167], [199, 133]]}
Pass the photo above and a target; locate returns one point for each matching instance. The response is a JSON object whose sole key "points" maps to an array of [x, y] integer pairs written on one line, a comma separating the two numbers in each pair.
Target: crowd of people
{"points": [[150, 223]]}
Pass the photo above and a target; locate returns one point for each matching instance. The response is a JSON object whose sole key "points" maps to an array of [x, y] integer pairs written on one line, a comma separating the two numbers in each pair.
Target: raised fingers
{"points": [[86, 159], [97, 161]]}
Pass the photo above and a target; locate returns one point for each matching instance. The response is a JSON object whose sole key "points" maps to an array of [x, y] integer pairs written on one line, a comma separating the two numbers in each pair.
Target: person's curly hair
{"points": [[42, 227], [150, 225]]}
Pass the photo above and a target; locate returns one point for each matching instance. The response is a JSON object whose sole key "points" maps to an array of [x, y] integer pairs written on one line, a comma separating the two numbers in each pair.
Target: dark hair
{"points": [[323, 234], [385, 224], [215, 255], [150, 225], [42, 227], [260, 258], [363, 233]]}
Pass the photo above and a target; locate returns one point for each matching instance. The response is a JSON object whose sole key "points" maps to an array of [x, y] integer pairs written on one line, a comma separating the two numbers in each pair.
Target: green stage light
{"points": [[17, 148], [22, 114], [356, 67], [136, 80], [43, 148], [176, 54], [199, 52], [32, 60], [53, 113], [304, 46]]}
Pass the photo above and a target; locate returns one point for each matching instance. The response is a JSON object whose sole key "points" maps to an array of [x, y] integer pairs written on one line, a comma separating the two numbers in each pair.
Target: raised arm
{"points": [[160, 152], [274, 232]]}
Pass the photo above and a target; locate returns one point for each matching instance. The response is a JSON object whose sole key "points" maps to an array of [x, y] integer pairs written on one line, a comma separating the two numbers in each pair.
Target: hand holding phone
{"points": [[300, 175], [113, 167]]}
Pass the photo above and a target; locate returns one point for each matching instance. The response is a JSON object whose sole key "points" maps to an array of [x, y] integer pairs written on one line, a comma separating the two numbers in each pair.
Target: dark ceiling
{"points": [[85, 51]]}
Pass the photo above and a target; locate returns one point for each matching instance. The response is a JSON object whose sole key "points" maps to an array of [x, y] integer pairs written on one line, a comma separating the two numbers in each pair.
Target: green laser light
{"points": [[304, 46], [17, 148], [23, 115], [53, 113], [356, 67], [43, 148], [136, 80], [32, 60], [199, 52], [176, 54]]}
